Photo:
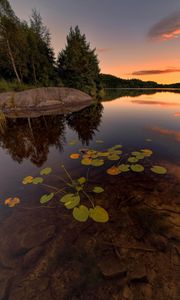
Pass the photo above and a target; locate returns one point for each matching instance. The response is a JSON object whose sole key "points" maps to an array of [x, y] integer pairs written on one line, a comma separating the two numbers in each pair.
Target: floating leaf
{"points": [[75, 155], [79, 188], [27, 180], [113, 171], [132, 159], [103, 154], [46, 171], [117, 146], [72, 142], [98, 189], [124, 168], [11, 202], [147, 152], [86, 161], [99, 214], [37, 180], [137, 168], [148, 140], [70, 200], [82, 180], [159, 170], [135, 153], [81, 213], [97, 162], [140, 156], [99, 141], [46, 198], [113, 157]]}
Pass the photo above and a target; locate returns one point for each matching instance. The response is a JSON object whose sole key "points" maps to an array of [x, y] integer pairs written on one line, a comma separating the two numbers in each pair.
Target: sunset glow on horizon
{"points": [[133, 39]]}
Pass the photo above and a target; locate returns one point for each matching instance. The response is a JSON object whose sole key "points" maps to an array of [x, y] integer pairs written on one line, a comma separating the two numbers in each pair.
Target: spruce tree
{"points": [[78, 65]]}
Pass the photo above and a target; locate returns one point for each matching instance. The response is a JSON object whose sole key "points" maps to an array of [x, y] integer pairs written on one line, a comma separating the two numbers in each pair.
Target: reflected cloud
{"points": [[168, 132], [160, 103], [168, 28], [177, 114], [173, 169]]}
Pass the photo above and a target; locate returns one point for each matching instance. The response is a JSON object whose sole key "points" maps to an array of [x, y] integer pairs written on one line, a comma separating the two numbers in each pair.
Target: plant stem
{"points": [[50, 186], [67, 173], [87, 196]]}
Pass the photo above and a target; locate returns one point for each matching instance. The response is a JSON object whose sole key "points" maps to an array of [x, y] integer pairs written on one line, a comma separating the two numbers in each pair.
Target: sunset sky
{"points": [[133, 38]]}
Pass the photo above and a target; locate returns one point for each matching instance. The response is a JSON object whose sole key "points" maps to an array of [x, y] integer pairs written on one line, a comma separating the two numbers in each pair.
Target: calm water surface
{"points": [[44, 253]]}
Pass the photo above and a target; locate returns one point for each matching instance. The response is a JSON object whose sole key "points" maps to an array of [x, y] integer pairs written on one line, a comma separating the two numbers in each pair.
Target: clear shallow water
{"points": [[78, 268]]}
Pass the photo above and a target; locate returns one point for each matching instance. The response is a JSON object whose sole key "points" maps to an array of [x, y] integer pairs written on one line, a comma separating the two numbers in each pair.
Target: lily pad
{"points": [[72, 142], [11, 202], [97, 162], [113, 157], [135, 153], [82, 180], [103, 154], [75, 155], [46, 198], [70, 200], [99, 141], [46, 171], [147, 152], [81, 213], [98, 189], [113, 171], [86, 161], [37, 180], [28, 180], [137, 168], [124, 168], [132, 159], [99, 214], [159, 170]]}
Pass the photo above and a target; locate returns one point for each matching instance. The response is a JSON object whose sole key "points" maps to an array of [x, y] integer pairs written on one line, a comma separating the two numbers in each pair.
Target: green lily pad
{"points": [[79, 188], [99, 214], [46, 198], [98, 189], [117, 146], [147, 152], [86, 161], [137, 168], [113, 157], [81, 213], [135, 153], [37, 180], [82, 180], [132, 159], [46, 171], [159, 170], [70, 200], [72, 142], [97, 162], [103, 154], [140, 156], [124, 168]]}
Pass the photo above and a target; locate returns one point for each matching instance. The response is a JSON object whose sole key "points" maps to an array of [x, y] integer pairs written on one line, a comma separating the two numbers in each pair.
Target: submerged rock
{"points": [[43, 101]]}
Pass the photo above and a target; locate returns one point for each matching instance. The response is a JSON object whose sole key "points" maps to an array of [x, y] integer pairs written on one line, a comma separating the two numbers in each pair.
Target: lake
{"points": [[45, 253]]}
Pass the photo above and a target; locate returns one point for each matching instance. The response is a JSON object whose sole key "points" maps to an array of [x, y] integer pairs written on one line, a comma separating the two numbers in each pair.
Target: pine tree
{"points": [[78, 65]]}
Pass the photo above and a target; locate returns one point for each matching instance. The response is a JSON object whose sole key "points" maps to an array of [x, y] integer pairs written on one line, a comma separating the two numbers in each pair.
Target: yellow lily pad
{"points": [[11, 202], [124, 168], [99, 214], [81, 213], [132, 159], [86, 161], [98, 189], [113, 157], [159, 170], [28, 180], [46, 171], [97, 162], [82, 180], [137, 168]]}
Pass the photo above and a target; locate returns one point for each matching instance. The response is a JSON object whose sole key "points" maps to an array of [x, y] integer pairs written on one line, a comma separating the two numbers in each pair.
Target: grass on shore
{"points": [[6, 86]]}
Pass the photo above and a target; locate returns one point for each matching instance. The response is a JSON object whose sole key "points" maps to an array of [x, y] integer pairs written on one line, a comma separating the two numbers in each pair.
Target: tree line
{"points": [[27, 56]]}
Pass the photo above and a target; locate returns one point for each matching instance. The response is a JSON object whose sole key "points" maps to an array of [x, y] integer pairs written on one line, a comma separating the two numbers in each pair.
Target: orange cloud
{"points": [[167, 29], [155, 72], [172, 133]]}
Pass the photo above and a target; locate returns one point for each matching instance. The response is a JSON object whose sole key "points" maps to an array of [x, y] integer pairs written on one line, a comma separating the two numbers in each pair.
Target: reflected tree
{"points": [[86, 122], [31, 138]]}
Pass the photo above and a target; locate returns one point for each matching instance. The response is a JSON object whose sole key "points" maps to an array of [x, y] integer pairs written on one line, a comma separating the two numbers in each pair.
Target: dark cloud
{"points": [[155, 72], [168, 28]]}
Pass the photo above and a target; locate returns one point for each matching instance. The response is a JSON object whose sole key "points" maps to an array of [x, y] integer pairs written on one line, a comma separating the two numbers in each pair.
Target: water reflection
{"points": [[31, 138], [86, 122]]}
